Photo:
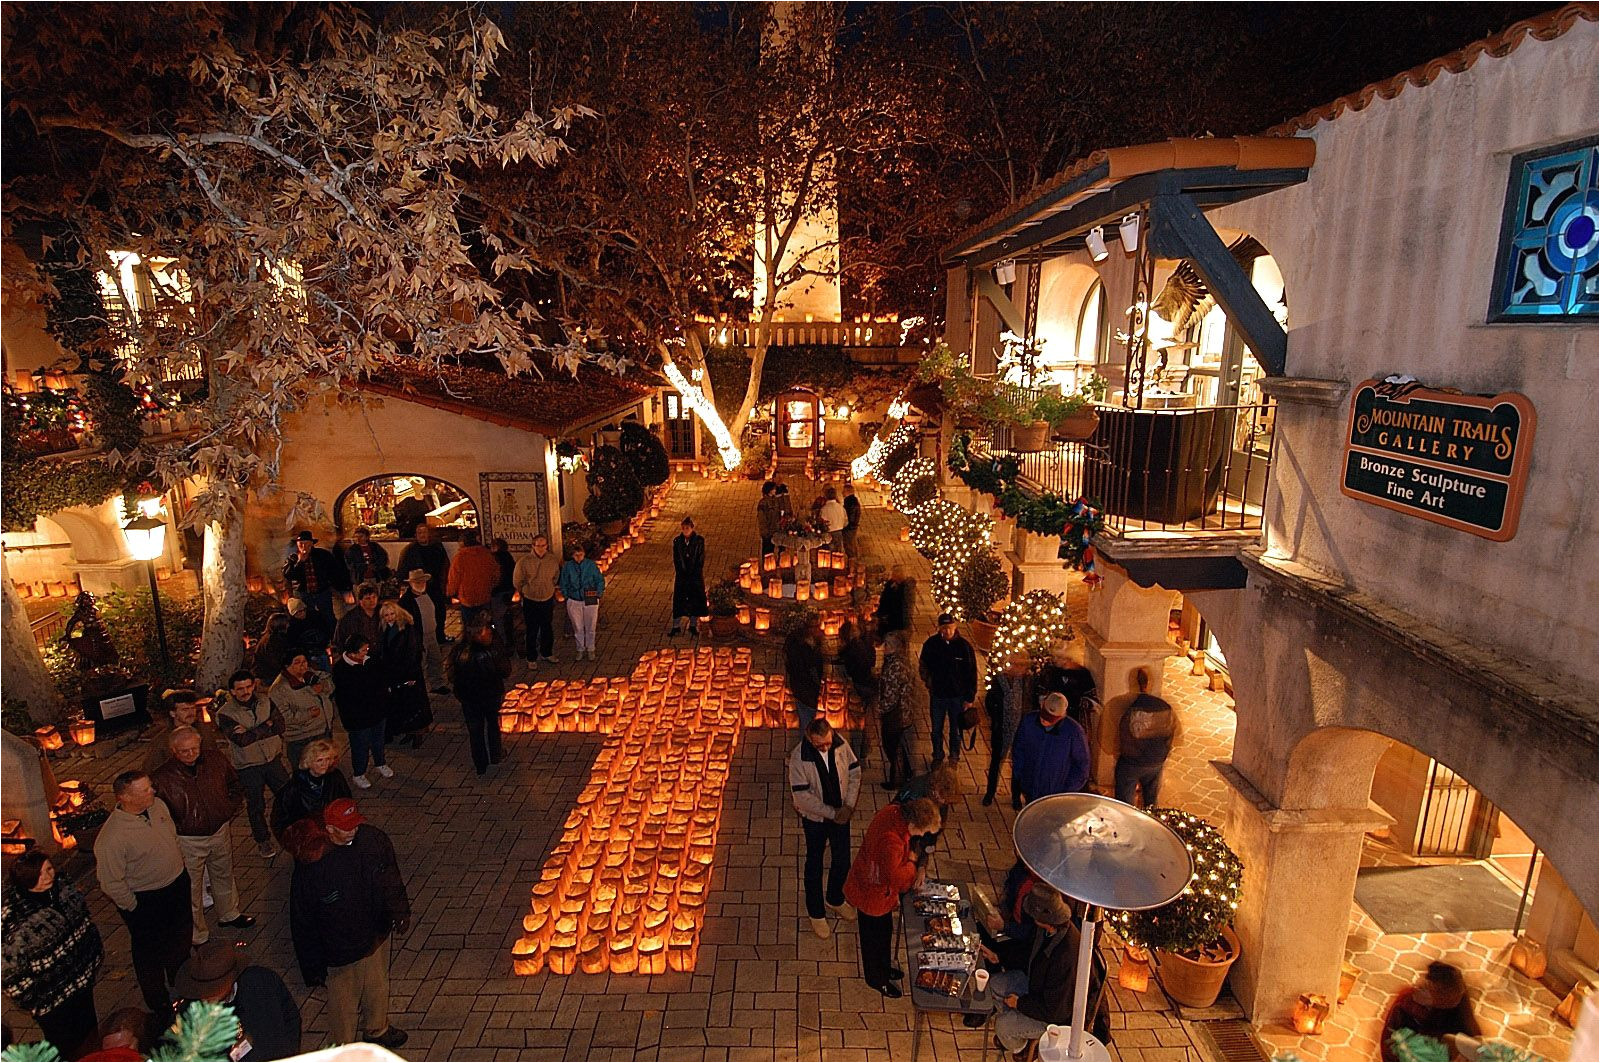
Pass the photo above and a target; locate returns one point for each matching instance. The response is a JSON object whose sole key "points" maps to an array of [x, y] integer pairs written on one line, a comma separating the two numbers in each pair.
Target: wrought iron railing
{"points": [[1181, 471]]}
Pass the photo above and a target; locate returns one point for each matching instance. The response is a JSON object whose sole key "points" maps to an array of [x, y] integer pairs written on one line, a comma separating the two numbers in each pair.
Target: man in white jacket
{"points": [[825, 779]]}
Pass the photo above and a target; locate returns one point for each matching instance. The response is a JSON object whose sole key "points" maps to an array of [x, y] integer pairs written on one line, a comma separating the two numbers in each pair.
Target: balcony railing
{"points": [[1198, 471], [801, 333]]}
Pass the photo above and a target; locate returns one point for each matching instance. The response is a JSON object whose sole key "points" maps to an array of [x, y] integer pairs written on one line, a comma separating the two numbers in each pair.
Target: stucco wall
{"points": [[334, 445], [1389, 254]]}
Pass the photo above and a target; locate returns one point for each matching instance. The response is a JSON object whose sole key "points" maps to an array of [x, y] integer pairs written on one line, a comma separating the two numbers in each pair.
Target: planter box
{"points": [[982, 502], [1033, 548], [1005, 532]]}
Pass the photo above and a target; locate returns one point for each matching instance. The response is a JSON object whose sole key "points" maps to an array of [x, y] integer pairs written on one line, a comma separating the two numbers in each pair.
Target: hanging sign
{"points": [[1457, 460]]}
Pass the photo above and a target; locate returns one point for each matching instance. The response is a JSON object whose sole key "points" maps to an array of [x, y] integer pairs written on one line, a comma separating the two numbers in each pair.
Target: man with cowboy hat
{"points": [[314, 574], [1040, 995], [269, 1019], [426, 606]]}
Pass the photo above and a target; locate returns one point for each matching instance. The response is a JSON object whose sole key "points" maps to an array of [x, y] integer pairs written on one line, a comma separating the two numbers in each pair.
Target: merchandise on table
{"points": [[945, 924], [941, 982], [939, 891], [948, 942], [936, 908], [945, 961]]}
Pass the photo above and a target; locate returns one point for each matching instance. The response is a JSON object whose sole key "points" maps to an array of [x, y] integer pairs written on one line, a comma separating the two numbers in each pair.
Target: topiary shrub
{"points": [[982, 583], [1191, 923], [647, 454], [615, 492]]}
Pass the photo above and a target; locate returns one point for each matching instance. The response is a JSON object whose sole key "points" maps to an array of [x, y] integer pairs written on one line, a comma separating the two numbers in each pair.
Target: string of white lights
{"points": [[707, 413]]}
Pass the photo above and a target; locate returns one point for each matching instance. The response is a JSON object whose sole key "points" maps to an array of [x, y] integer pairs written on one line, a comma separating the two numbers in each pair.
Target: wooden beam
{"points": [[1009, 312], [1178, 229]]}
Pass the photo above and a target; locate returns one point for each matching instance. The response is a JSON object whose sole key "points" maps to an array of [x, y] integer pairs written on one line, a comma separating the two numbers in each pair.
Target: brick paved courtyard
{"points": [[764, 987]]}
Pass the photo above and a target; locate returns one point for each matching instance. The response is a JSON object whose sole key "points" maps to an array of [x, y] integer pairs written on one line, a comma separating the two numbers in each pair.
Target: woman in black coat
{"points": [[478, 675], [400, 661], [52, 952], [362, 696], [689, 586], [316, 784]]}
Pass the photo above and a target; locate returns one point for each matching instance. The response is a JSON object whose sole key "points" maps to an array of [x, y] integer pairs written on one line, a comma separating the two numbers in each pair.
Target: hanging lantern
{"points": [[1134, 972], [1310, 1013], [48, 738], [82, 732]]}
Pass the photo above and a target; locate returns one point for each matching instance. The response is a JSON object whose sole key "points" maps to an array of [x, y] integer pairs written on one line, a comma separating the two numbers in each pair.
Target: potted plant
{"points": [[983, 583], [1190, 936], [615, 493], [647, 453], [1042, 521], [1072, 418], [724, 599], [755, 457]]}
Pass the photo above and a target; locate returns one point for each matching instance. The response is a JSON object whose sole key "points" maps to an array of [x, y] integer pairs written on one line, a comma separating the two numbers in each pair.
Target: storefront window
{"points": [[1549, 238], [393, 505]]}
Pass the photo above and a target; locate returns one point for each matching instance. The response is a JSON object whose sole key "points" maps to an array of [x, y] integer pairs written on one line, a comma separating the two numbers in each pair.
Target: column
{"points": [[1299, 881], [1127, 631]]}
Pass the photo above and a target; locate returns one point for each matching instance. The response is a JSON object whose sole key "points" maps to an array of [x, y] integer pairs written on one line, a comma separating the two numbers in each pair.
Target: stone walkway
{"points": [[763, 987]]}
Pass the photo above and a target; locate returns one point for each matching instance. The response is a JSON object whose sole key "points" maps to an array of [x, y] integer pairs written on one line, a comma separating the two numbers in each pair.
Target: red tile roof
{"points": [[552, 406], [1546, 27]]}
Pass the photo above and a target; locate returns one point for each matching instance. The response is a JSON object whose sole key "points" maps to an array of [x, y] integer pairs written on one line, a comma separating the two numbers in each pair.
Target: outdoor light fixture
{"points": [[1096, 243], [1310, 1013], [1005, 272], [146, 536], [1129, 229]]}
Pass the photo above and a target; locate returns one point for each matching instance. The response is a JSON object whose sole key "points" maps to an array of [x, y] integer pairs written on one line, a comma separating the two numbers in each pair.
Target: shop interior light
{"points": [[1128, 228], [1096, 242]]}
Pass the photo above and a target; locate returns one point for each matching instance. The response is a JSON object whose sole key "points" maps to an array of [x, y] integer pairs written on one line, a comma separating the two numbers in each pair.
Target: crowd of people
{"points": [[164, 855]]}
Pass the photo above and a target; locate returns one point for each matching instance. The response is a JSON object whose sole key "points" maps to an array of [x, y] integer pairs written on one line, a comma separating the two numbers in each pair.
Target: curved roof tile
{"points": [[1546, 27]]}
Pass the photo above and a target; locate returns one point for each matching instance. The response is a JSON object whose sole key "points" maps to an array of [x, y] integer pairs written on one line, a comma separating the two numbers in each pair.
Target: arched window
{"points": [[393, 504], [1094, 326]]}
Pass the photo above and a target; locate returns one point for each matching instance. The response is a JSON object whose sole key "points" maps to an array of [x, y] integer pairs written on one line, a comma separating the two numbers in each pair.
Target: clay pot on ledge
{"points": [[983, 632], [1076, 427], [1196, 983], [614, 527], [1031, 438], [724, 627]]}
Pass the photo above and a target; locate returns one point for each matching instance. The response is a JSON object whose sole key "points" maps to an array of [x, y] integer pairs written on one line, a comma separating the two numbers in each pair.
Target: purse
{"points": [[969, 727]]}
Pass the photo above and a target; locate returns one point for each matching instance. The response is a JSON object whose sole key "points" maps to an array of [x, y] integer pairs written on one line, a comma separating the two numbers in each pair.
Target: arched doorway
{"points": [[1449, 879], [393, 504], [799, 421]]}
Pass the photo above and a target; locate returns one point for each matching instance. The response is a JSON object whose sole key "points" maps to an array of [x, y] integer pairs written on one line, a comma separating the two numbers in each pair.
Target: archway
{"points": [[1448, 879], [393, 504]]}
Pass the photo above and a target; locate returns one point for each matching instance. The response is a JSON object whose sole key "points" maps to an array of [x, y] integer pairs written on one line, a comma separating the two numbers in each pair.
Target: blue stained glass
{"points": [[1550, 241]]}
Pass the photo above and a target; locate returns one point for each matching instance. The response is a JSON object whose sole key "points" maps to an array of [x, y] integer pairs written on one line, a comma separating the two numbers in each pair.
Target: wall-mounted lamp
{"points": [[1096, 242], [1129, 228], [1005, 272]]}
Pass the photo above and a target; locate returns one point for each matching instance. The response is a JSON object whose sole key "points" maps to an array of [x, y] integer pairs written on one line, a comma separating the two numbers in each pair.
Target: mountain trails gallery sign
{"points": [[1457, 460]]}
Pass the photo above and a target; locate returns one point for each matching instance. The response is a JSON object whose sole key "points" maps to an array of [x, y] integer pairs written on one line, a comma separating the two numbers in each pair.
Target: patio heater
{"points": [[1106, 854], [146, 535]]}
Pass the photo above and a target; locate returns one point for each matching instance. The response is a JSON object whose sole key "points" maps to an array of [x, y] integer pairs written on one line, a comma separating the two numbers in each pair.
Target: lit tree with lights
{"points": [[915, 486], [1191, 923], [1029, 629]]}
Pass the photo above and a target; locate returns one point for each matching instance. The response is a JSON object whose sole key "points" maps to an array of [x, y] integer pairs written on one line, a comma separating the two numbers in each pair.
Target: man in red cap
{"points": [[345, 899]]}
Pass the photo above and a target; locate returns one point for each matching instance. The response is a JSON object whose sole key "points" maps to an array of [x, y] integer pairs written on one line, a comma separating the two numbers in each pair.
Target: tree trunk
{"points": [[22, 670], [222, 585]]}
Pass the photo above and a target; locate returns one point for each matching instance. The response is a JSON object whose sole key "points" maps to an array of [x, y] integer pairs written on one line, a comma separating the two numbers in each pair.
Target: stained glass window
{"points": [[1550, 240]]}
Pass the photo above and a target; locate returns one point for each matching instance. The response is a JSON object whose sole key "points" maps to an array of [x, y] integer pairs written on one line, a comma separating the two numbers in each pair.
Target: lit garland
{"points": [[707, 413], [1029, 630], [867, 464], [917, 485], [1193, 921]]}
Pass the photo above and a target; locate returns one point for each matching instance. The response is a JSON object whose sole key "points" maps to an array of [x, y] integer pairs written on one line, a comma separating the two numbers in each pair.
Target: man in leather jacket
{"points": [[203, 793]]}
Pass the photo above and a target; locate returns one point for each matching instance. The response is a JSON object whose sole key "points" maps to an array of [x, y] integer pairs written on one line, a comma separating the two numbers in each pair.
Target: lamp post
{"points": [[146, 536]]}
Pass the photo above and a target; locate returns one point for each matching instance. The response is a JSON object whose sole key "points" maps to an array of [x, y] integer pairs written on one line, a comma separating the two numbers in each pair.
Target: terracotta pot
{"points": [[927, 397], [614, 527], [983, 634], [724, 627], [1195, 983], [1077, 427], [1031, 438]]}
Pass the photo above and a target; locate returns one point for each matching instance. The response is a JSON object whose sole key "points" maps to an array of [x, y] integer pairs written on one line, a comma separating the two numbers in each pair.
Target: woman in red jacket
{"points": [[885, 868]]}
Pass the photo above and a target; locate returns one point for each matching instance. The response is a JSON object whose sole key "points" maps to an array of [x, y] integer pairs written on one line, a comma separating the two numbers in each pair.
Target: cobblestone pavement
{"points": [[764, 986]]}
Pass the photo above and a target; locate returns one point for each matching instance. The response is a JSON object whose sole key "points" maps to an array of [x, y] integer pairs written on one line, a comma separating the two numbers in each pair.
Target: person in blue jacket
{"points": [[581, 584], [1050, 754]]}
